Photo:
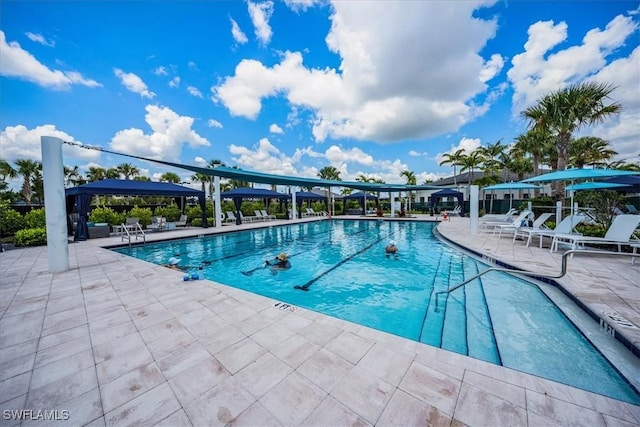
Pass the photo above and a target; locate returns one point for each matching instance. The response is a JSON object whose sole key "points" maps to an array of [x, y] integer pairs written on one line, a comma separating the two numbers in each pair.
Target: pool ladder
{"points": [[530, 274], [138, 230]]}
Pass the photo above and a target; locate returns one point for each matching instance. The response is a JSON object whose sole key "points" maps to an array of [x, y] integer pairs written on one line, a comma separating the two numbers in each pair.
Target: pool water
{"points": [[339, 268]]}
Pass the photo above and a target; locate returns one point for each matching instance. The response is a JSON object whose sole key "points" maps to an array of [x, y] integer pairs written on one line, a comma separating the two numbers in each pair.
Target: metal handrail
{"points": [[138, 229], [563, 269]]}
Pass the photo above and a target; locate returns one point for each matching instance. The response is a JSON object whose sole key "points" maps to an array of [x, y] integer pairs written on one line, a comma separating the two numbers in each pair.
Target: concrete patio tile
{"points": [[19, 328], [508, 392], [115, 348], [23, 349], [53, 394], [191, 383], [162, 330], [28, 305], [130, 385], [264, 373], [111, 369], [255, 415], [239, 355], [63, 320], [617, 422], [622, 410], [321, 334], [83, 409], [562, 412], [167, 345], [220, 405], [147, 409], [177, 419], [330, 412], [293, 399], [145, 317], [535, 420], [16, 366], [62, 367], [325, 369], [363, 393], [98, 422], [431, 386], [14, 386], [111, 333], [15, 404], [63, 337], [295, 350], [253, 324], [57, 305], [479, 408], [181, 359], [271, 336], [62, 351], [406, 410], [386, 363], [223, 339], [349, 346]]}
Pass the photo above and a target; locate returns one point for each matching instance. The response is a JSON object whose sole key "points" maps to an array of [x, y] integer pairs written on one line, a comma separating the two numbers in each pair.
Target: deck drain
{"points": [[619, 320]]}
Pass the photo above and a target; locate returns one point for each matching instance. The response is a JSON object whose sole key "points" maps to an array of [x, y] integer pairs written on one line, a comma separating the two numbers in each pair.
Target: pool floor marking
{"points": [[306, 286], [285, 306]]}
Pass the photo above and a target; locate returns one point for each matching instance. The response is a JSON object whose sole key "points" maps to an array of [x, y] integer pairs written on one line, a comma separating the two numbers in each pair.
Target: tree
{"points": [[591, 151], [127, 170], [170, 177], [565, 111], [213, 164], [329, 172], [72, 176], [95, 173], [535, 142], [491, 157], [410, 177], [201, 178], [470, 162], [454, 160], [7, 171], [27, 169]]}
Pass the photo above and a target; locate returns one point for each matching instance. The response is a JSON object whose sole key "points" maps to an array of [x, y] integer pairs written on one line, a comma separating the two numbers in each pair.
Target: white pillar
{"points": [[558, 212], [294, 203], [55, 205], [217, 204], [474, 213]]}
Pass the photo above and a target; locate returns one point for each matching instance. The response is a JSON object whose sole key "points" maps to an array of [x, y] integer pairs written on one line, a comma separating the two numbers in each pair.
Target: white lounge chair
{"points": [[565, 226], [266, 215], [231, 217], [619, 233], [247, 218], [455, 212], [506, 217], [491, 225], [258, 216], [538, 225], [182, 222], [158, 223], [515, 226]]}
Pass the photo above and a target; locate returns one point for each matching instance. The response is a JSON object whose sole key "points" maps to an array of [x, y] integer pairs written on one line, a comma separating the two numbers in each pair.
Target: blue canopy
{"points": [[308, 195], [512, 186], [80, 196], [447, 192], [632, 183], [240, 193], [575, 174], [361, 197]]}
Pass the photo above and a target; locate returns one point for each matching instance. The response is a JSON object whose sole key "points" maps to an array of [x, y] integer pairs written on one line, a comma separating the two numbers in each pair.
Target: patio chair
{"points": [[619, 233], [266, 215], [506, 217], [565, 226], [493, 225], [182, 222], [632, 210], [158, 223], [258, 216], [538, 225], [515, 226], [247, 218], [455, 212], [231, 217]]}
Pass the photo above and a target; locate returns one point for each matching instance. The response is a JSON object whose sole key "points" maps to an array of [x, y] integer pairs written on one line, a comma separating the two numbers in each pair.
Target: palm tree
{"points": [[491, 157], [454, 160], [112, 173], [27, 169], [329, 172], [213, 164], [622, 165], [202, 179], [7, 171], [127, 170], [170, 177], [470, 162], [95, 173], [72, 176], [535, 142], [590, 150], [567, 110], [410, 177]]}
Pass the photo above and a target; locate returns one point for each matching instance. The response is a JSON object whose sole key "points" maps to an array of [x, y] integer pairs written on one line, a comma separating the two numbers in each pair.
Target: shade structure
{"points": [[512, 186], [447, 192], [81, 197], [240, 193], [361, 197], [577, 174], [632, 183], [594, 186]]}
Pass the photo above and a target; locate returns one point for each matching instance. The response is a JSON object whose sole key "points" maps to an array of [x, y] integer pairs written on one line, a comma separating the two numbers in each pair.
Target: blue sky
{"points": [[290, 87]]}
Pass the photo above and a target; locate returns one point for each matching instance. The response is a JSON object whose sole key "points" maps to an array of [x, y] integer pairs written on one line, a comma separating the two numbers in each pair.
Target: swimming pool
{"points": [[339, 268]]}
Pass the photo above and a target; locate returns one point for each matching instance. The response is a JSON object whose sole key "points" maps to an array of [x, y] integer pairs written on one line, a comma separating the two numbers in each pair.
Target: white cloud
{"points": [[260, 14], [160, 71], [538, 70], [169, 132], [17, 62], [274, 128], [39, 38], [369, 97], [302, 5], [238, 35], [212, 123], [194, 91], [414, 153], [19, 142], [133, 83], [174, 82], [467, 144]]}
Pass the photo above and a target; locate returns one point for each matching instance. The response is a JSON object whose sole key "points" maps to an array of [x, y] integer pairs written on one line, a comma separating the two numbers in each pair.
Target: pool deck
{"points": [[118, 341]]}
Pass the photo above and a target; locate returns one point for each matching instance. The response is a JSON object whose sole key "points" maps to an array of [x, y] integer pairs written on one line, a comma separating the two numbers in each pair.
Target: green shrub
{"points": [[197, 222], [194, 212], [596, 230], [10, 220], [104, 214], [31, 237], [171, 213], [35, 219], [143, 214]]}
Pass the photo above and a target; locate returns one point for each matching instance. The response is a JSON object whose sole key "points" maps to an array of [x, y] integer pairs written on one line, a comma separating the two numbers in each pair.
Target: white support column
{"points": [[294, 203], [558, 212], [55, 205], [474, 213], [217, 203], [392, 202]]}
